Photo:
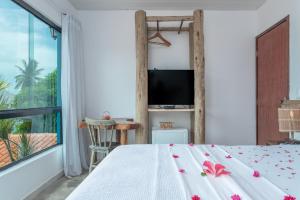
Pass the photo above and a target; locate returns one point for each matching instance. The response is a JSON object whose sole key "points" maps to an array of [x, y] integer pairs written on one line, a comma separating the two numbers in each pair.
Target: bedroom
{"points": [[104, 82]]}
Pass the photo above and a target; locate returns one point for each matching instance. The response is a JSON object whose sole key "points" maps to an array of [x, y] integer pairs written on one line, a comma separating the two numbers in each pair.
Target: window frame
{"points": [[37, 14], [15, 113]]}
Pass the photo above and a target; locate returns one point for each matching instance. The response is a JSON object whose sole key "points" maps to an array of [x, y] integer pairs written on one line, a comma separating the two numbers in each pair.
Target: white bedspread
{"points": [[163, 172]]}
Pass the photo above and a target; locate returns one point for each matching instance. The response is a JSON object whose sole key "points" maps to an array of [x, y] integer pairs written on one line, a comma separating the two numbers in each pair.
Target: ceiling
{"points": [[167, 4]]}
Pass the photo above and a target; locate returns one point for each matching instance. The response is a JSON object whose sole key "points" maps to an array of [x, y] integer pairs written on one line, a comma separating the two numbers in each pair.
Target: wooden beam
{"points": [[168, 29], [141, 77], [199, 135], [169, 18], [191, 54], [191, 44]]}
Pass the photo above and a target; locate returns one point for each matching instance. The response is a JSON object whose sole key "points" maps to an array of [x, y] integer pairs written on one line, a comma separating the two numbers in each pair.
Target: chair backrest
{"points": [[97, 138]]}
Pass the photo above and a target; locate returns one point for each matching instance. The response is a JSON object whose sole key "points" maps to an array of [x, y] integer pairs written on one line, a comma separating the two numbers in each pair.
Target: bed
{"points": [[168, 172]]}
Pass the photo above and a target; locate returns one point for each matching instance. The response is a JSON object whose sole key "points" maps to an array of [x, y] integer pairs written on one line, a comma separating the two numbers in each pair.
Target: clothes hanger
{"points": [[158, 35]]}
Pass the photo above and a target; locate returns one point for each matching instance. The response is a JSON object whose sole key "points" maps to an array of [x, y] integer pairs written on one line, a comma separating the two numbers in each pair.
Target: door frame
{"points": [[286, 19]]}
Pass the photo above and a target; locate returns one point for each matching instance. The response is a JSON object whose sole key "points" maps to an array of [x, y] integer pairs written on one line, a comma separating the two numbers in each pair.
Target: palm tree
{"points": [[29, 76], [6, 125], [3, 99]]}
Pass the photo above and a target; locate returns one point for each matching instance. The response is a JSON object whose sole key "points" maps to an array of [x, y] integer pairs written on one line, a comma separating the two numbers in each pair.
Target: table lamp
{"points": [[289, 118]]}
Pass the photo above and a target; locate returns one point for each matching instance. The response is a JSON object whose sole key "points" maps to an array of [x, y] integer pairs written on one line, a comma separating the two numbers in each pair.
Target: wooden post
{"points": [[191, 44], [199, 134], [191, 54], [141, 77]]}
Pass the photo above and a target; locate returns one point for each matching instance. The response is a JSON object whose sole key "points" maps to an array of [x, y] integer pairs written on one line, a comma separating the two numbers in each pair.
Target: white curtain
{"points": [[73, 104]]}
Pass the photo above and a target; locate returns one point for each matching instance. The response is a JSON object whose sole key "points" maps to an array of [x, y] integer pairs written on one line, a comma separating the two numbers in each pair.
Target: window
{"points": [[30, 99]]}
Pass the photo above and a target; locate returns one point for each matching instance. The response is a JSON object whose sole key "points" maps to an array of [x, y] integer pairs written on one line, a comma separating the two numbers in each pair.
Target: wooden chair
{"points": [[101, 134]]}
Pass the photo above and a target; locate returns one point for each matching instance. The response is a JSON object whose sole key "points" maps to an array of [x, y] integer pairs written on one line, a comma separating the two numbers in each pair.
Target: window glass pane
{"points": [[29, 60], [22, 137]]}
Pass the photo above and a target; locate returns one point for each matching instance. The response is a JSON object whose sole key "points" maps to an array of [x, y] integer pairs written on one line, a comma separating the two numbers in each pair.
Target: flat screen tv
{"points": [[171, 87]]}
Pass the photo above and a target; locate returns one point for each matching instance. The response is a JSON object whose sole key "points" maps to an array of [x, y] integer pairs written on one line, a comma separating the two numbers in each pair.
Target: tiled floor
{"points": [[61, 188]]}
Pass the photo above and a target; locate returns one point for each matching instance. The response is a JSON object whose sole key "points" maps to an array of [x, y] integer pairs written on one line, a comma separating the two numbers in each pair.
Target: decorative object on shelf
{"points": [[106, 116], [289, 118], [166, 125]]}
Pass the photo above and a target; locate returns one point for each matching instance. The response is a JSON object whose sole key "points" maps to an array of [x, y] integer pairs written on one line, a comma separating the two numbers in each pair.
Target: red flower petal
{"points": [[191, 144], [212, 145], [195, 197], [171, 145], [216, 170], [289, 197], [206, 154], [235, 197], [219, 168], [229, 156], [181, 171], [175, 156], [256, 174], [210, 167]]}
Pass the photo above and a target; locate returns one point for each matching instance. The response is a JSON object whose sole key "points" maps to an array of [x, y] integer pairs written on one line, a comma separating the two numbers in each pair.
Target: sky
{"points": [[14, 43]]}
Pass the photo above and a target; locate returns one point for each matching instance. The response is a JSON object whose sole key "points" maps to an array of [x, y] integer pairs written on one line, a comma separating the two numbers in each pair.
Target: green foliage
{"points": [[27, 79], [43, 93], [3, 98], [6, 126], [29, 74], [203, 174], [25, 146], [23, 126]]}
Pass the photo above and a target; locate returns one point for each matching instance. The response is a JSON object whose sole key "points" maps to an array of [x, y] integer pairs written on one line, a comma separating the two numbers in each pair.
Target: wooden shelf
{"points": [[171, 110]]}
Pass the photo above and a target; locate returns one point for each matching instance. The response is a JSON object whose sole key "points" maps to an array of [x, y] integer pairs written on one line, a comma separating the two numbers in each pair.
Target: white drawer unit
{"points": [[169, 136]]}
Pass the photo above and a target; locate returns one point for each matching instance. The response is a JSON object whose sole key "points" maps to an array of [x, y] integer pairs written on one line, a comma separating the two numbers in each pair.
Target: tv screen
{"points": [[171, 87]]}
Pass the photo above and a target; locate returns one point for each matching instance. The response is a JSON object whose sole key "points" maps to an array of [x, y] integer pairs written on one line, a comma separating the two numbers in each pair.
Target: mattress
{"points": [[168, 172]]}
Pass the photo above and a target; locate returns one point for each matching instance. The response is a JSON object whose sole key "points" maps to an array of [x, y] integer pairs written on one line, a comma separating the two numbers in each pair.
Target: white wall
{"points": [[270, 13], [21, 180], [109, 38], [31, 174]]}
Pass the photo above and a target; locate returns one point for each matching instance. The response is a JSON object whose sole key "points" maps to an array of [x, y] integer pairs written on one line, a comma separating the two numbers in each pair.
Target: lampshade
{"points": [[289, 119]]}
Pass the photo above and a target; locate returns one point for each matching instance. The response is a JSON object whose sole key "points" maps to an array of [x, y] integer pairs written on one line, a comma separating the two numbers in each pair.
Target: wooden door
{"points": [[272, 48]]}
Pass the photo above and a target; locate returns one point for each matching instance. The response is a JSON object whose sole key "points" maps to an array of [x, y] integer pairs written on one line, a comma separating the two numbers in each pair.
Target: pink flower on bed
{"points": [[181, 171], [191, 144], [289, 197], [175, 156], [195, 197], [256, 174], [215, 169], [235, 197]]}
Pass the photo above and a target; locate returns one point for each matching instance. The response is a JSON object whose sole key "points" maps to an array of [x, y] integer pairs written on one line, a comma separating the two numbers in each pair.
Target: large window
{"points": [[30, 100]]}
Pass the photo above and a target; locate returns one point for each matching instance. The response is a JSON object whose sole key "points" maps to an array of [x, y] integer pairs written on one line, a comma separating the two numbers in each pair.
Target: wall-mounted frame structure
{"points": [[196, 43]]}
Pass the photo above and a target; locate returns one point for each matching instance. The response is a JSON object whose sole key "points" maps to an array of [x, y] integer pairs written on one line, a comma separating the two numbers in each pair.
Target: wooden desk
{"points": [[122, 126]]}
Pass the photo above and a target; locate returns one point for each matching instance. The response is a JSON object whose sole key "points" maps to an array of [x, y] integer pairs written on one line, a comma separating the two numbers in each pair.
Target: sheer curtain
{"points": [[73, 104]]}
